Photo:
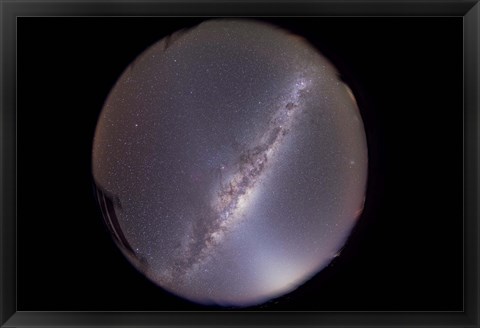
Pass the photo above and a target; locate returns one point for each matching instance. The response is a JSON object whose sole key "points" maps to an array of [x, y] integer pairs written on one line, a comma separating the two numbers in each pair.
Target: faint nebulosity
{"points": [[230, 162]]}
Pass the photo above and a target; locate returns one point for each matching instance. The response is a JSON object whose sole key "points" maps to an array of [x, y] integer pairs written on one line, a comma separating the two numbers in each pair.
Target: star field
{"points": [[231, 162]]}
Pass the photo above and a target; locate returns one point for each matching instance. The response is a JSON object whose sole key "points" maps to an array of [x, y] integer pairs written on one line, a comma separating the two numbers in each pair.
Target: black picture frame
{"points": [[10, 10]]}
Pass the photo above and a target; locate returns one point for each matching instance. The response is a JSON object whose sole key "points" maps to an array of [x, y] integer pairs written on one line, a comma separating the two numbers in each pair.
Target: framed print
{"points": [[301, 164]]}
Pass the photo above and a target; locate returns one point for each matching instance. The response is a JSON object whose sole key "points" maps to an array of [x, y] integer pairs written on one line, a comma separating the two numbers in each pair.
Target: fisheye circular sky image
{"points": [[230, 162]]}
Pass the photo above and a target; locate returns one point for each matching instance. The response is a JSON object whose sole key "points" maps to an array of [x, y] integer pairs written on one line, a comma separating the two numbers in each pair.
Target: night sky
{"points": [[405, 250], [236, 161]]}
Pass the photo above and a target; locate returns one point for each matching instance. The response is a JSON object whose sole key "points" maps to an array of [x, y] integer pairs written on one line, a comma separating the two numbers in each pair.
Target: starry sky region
{"points": [[230, 162]]}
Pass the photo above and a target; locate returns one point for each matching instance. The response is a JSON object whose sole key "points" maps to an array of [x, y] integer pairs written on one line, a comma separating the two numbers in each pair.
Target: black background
{"points": [[405, 253]]}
